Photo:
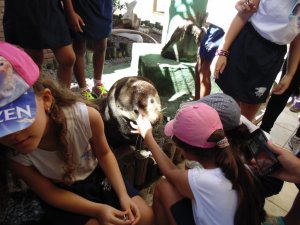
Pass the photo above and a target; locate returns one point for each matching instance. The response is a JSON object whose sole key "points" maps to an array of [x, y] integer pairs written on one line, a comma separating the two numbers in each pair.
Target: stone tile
{"points": [[274, 210], [288, 120], [285, 198], [280, 135]]}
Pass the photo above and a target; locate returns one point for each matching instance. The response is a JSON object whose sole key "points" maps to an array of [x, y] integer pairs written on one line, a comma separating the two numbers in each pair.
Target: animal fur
{"points": [[126, 99]]}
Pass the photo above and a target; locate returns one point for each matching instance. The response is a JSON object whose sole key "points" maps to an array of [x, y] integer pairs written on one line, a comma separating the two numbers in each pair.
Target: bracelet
{"points": [[222, 52]]}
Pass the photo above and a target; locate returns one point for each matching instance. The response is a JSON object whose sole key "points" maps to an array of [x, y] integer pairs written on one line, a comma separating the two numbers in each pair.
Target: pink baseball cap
{"points": [[194, 124], [18, 73]]}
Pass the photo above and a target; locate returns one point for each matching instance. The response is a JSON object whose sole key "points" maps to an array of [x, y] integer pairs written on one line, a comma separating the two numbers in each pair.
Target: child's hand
{"points": [[76, 23], [110, 215], [142, 126], [218, 65], [283, 84], [132, 211], [245, 6]]}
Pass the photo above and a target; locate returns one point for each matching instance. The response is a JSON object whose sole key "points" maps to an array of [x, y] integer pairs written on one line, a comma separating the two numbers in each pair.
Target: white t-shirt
{"points": [[50, 165], [215, 201], [277, 20]]}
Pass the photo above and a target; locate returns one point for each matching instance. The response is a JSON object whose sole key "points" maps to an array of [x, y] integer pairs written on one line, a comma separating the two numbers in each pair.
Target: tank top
{"points": [[50, 165]]}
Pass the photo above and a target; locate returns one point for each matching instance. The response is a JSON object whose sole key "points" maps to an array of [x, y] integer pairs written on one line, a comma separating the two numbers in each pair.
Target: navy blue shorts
{"points": [[97, 16], [210, 42], [182, 212], [94, 188], [252, 66]]}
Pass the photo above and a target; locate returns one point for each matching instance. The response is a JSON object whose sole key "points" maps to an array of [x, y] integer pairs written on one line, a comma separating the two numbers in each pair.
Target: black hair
{"points": [[238, 138]]}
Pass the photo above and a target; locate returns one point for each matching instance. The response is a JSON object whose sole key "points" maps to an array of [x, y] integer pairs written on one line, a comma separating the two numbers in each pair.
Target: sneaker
{"points": [[291, 100], [99, 90], [86, 93], [274, 220], [294, 144], [295, 107]]}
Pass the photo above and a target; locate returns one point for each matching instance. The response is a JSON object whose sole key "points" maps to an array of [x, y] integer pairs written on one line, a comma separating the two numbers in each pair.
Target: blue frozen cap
{"points": [[18, 73]]}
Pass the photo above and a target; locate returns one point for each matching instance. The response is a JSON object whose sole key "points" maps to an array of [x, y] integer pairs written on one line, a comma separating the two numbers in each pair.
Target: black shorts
{"points": [[182, 212], [252, 66], [36, 24], [94, 188]]}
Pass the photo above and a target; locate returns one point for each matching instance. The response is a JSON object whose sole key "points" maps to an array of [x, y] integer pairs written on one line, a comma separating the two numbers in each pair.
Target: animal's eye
{"points": [[152, 101], [136, 111]]}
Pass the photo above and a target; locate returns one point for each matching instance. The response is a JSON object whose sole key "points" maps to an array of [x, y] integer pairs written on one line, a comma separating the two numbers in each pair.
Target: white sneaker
{"points": [[294, 144]]}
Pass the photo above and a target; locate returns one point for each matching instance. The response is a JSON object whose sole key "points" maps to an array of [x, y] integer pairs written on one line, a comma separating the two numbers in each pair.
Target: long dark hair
{"points": [[249, 195]]}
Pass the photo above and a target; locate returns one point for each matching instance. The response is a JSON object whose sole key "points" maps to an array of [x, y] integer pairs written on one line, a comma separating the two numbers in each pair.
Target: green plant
{"points": [[117, 5]]}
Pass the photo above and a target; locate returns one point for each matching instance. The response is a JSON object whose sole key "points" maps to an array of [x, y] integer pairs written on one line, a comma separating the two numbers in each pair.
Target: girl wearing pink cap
{"points": [[220, 192]]}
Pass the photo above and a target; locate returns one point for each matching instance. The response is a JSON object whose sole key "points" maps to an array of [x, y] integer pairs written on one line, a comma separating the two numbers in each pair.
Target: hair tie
{"points": [[223, 143]]}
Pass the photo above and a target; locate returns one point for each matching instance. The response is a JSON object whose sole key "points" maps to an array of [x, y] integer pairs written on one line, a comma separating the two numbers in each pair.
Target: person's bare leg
{"points": [[99, 57], [37, 56], [293, 216], [205, 74], [147, 216], [92, 222], [202, 78], [197, 79], [165, 196], [79, 73], [65, 57], [249, 110]]}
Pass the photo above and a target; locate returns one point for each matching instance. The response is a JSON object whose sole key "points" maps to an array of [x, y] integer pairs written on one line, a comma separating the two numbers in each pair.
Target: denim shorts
{"points": [[210, 42]]}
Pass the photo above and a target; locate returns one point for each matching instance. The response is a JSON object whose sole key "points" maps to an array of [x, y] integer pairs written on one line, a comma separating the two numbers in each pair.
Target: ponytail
{"points": [[243, 182]]}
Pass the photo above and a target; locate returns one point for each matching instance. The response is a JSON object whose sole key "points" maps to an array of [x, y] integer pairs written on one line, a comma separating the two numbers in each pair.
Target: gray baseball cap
{"points": [[227, 108]]}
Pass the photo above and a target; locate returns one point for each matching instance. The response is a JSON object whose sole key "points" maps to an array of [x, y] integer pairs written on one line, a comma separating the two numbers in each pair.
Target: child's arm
{"points": [[75, 21], [178, 177], [292, 65], [234, 29], [64, 199], [245, 6], [109, 165]]}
